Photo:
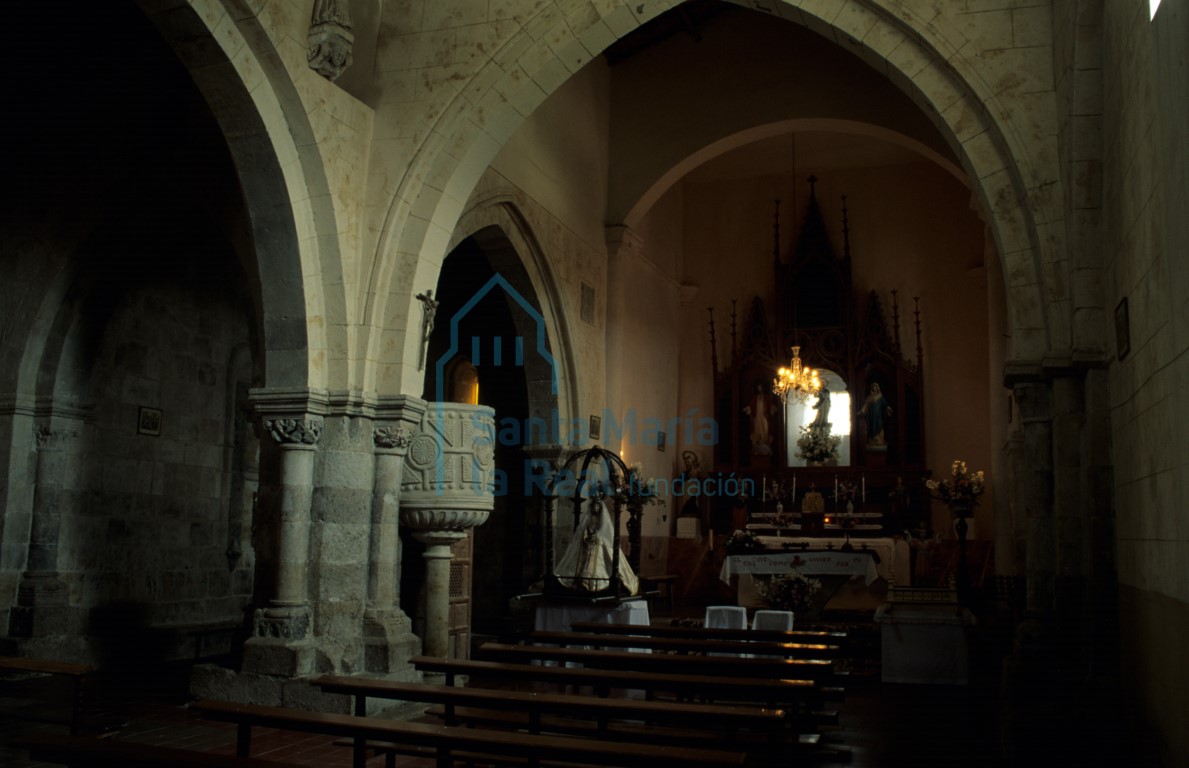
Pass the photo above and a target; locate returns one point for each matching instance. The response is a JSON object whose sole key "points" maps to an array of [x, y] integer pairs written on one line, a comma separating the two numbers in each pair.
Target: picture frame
{"points": [[595, 429], [660, 441], [148, 421], [1122, 329]]}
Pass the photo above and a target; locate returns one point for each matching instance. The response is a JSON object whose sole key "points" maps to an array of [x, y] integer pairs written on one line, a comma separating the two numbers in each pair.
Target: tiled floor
{"points": [[881, 725]]}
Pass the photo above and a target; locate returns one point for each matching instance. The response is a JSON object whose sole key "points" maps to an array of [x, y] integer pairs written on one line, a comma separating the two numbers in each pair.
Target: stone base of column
{"points": [[210, 681], [281, 658], [282, 645], [389, 643]]}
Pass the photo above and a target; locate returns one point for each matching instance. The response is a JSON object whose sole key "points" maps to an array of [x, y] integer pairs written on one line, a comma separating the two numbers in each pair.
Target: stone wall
{"points": [[1146, 194]]}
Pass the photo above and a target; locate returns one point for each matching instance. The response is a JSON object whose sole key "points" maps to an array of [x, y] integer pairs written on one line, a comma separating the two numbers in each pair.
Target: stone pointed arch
{"points": [[916, 48], [291, 219], [502, 230]]}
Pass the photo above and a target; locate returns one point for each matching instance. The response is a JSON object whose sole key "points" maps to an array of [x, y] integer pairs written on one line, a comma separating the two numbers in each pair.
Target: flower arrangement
{"points": [[741, 542], [637, 486], [789, 592], [962, 487], [817, 444]]}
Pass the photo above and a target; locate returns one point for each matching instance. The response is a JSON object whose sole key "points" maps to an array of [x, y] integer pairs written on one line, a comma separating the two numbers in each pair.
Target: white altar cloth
{"points": [[884, 547], [811, 563], [557, 617]]}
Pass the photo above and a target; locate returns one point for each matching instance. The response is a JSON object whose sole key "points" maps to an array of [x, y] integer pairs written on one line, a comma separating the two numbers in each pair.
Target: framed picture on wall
{"points": [[660, 441], [148, 421], [596, 427]]}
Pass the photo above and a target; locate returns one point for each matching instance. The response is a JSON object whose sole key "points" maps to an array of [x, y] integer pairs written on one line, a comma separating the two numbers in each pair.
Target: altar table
{"points": [[811, 563]]}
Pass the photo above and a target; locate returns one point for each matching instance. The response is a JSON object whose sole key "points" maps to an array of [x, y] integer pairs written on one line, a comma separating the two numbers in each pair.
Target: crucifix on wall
{"points": [[429, 307]]}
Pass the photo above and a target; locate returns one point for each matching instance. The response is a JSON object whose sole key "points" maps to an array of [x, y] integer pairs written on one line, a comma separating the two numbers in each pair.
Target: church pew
{"points": [[706, 633], [77, 676], [734, 666], [723, 719], [95, 752], [446, 743], [757, 730], [686, 645], [796, 695]]}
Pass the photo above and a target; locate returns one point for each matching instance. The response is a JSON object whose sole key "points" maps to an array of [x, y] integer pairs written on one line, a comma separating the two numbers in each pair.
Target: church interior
{"points": [[347, 338]]}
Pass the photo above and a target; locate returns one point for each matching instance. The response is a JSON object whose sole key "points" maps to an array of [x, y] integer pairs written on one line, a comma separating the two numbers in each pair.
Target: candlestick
{"points": [[794, 488], [764, 480]]}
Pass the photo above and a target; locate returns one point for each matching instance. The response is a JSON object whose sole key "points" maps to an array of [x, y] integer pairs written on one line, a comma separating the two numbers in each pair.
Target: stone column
{"points": [[447, 487], [281, 645], [388, 632], [438, 553], [1033, 494], [41, 594]]}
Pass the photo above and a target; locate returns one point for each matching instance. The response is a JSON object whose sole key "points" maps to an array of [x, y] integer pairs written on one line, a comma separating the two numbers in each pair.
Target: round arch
{"points": [[925, 58], [645, 199], [280, 169]]}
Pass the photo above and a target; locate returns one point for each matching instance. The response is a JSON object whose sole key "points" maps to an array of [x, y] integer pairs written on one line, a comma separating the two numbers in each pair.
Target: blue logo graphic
{"points": [[497, 342]]}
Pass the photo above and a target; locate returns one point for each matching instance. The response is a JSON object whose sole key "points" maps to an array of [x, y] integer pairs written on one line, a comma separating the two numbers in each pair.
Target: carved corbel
{"points": [[331, 37]]}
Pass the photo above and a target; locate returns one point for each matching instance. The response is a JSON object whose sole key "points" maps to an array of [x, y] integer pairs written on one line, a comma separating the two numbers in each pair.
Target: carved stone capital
{"points": [[294, 432], [395, 437], [331, 37], [43, 436], [281, 623]]}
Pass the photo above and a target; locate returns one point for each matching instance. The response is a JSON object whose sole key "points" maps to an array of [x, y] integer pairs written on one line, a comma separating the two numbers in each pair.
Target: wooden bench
{"points": [[795, 695], [445, 743], [75, 674], [95, 752], [722, 720], [706, 633], [733, 666], [683, 645], [750, 728]]}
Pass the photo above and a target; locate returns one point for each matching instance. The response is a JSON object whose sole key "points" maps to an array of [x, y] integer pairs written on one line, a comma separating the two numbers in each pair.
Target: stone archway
{"points": [[926, 58], [280, 169]]}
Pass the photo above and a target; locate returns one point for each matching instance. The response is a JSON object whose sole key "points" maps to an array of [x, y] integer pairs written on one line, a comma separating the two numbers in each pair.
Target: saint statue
{"points": [[874, 411], [586, 563], [759, 411], [822, 419]]}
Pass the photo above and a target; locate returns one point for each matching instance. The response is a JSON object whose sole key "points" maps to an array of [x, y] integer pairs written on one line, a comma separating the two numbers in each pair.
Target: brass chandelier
{"points": [[796, 380]]}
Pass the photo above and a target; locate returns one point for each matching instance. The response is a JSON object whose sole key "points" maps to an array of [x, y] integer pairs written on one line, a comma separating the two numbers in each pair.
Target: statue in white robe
{"points": [[586, 563]]}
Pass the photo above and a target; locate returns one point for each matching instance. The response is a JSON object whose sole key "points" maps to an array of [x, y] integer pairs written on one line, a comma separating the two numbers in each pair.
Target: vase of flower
{"points": [[959, 492]]}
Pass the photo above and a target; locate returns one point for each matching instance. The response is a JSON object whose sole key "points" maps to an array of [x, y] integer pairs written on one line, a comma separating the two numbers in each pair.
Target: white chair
{"points": [[782, 620], [725, 617]]}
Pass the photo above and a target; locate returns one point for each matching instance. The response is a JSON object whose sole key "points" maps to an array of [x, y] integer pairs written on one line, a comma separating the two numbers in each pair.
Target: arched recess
{"points": [[243, 80], [506, 238], [925, 57]]}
